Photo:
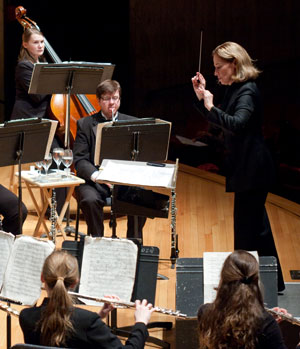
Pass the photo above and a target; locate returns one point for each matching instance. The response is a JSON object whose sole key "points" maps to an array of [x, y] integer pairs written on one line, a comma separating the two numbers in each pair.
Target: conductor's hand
{"points": [[143, 311], [107, 307], [199, 84], [208, 98]]}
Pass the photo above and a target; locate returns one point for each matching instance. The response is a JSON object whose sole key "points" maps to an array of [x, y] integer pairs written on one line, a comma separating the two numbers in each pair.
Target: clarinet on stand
{"points": [[174, 236], [53, 216]]}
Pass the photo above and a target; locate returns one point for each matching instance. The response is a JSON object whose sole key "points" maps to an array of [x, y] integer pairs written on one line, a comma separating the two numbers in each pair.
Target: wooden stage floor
{"points": [[204, 223]]}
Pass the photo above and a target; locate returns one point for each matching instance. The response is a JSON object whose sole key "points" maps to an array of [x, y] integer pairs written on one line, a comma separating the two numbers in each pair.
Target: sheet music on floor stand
{"points": [[21, 264], [212, 266], [108, 268]]}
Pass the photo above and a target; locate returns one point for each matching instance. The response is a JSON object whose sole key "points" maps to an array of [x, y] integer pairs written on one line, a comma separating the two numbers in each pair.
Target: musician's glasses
{"points": [[107, 99]]}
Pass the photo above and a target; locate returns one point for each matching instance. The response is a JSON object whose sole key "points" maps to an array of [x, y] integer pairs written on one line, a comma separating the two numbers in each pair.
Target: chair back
{"points": [[30, 346]]}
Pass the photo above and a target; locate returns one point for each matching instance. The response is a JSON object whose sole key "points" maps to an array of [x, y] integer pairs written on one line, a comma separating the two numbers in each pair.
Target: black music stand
{"points": [[18, 143], [68, 78], [140, 139], [144, 139]]}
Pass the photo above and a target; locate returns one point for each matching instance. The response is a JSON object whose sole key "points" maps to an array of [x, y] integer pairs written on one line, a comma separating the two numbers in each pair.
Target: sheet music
{"points": [[108, 268], [98, 133], [136, 173], [6, 245], [22, 279], [188, 141], [212, 266]]}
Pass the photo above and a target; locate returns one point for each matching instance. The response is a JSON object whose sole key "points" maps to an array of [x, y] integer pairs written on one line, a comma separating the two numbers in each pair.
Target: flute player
{"points": [[58, 323]]}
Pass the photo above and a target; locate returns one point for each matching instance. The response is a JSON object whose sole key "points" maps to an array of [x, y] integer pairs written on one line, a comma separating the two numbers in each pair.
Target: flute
{"points": [[9, 310], [283, 316], [124, 304]]}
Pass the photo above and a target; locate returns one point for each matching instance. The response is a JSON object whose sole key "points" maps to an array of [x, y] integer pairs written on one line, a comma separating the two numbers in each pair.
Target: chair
{"points": [[107, 204]]}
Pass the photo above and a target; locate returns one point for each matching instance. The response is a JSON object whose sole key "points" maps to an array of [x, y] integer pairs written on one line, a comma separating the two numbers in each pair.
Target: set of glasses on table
{"points": [[59, 155]]}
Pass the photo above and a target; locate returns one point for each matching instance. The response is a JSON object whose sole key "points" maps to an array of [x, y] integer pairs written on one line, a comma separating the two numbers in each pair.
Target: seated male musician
{"points": [[91, 195]]}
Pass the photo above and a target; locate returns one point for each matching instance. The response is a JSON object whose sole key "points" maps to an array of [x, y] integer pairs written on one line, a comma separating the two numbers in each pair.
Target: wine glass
{"points": [[57, 154], [39, 165], [47, 162], [67, 160]]}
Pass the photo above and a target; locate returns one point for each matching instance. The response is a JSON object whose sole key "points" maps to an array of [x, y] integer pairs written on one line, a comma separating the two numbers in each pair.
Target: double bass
{"points": [[80, 105]]}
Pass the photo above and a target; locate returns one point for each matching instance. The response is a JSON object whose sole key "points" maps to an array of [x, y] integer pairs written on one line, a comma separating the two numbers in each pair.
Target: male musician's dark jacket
{"points": [[89, 330], [27, 105], [249, 163]]}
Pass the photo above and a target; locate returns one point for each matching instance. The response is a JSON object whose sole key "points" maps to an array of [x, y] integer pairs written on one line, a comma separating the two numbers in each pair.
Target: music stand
{"points": [[68, 78], [18, 143], [141, 139]]}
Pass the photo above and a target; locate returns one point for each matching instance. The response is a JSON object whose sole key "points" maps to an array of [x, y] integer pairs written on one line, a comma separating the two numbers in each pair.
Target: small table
{"points": [[46, 184]]}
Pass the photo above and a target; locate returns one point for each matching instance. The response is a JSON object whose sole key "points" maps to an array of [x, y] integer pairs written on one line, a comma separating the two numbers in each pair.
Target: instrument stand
{"points": [[18, 140], [8, 329], [8, 320]]}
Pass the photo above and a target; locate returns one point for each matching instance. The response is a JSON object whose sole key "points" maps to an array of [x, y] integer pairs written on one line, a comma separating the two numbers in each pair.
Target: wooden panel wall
{"points": [[164, 51]]}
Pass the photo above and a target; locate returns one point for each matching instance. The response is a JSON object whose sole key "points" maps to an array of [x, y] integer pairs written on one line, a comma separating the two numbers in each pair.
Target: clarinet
{"points": [[174, 236], [173, 225], [53, 217]]}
